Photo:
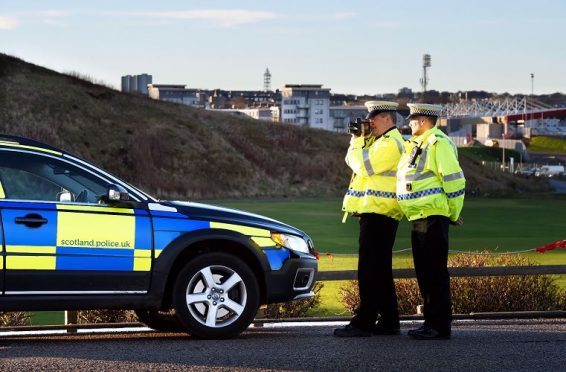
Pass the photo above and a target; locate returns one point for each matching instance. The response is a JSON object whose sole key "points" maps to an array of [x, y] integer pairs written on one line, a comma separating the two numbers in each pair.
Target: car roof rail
{"points": [[29, 142]]}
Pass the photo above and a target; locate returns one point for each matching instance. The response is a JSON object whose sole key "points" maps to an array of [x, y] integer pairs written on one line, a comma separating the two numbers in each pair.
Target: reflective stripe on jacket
{"points": [[374, 163], [430, 180]]}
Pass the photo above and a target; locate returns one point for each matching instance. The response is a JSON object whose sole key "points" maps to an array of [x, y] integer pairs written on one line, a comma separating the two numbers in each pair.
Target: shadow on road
{"points": [[523, 345]]}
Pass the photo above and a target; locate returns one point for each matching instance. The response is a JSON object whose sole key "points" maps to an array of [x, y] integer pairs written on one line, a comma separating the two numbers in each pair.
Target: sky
{"points": [[355, 46]]}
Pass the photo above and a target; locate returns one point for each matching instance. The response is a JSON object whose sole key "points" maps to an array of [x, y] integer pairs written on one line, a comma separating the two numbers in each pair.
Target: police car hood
{"points": [[234, 216]]}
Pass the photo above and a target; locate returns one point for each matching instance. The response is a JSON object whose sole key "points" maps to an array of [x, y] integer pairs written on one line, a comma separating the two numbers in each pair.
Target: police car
{"points": [[76, 237]]}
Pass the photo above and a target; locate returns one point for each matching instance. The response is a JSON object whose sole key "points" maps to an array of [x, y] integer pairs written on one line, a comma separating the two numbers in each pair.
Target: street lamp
{"points": [[532, 84]]}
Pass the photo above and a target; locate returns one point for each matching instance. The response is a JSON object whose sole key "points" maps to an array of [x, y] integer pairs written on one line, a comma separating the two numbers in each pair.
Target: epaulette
{"points": [[431, 140]]}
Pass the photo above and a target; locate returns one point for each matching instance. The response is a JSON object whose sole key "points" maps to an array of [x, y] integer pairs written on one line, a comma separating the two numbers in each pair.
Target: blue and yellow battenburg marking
{"points": [[75, 238], [79, 237], [168, 229]]}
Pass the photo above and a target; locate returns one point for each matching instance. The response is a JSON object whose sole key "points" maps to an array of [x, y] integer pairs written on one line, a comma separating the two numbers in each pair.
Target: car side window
{"points": [[27, 176], [22, 185]]}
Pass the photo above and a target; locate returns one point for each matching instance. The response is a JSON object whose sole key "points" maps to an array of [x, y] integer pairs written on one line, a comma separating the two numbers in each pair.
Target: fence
{"points": [[72, 327], [525, 169]]}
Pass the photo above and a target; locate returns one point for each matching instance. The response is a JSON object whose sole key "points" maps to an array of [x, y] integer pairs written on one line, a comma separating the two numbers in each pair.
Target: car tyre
{"points": [[216, 296]]}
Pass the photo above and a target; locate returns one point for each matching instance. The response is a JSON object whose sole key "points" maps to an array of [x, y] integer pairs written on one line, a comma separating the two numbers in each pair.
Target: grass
{"points": [[47, 317], [499, 225], [548, 144]]}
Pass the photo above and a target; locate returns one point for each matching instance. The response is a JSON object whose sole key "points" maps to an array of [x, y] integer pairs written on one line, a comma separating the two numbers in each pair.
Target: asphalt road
{"points": [[513, 346]]}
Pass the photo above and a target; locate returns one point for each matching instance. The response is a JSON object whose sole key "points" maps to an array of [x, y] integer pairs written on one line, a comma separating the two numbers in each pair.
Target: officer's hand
{"points": [[458, 222]]}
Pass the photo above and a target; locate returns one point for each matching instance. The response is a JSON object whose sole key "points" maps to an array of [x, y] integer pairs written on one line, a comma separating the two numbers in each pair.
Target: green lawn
{"points": [[547, 144], [500, 225], [47, 317]]}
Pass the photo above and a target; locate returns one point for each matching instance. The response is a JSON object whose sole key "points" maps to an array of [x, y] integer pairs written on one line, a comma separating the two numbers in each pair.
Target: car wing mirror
{"points": [[116, 193], [65, 197]]}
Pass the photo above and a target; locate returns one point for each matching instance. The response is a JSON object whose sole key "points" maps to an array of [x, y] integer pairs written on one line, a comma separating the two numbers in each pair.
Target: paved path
{"points": [[559, 186], [495, 345]]}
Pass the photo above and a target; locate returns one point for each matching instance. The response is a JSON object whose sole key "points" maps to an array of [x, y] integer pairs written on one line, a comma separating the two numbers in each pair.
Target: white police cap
{"points": [[424, 109], [377, 107]]}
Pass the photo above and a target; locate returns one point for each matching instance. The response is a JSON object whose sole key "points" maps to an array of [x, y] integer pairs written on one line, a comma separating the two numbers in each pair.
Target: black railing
{"points": [[352, 275]]}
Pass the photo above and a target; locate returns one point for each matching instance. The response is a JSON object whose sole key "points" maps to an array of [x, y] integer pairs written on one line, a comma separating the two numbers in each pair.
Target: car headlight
{"points": [[294, 243]]}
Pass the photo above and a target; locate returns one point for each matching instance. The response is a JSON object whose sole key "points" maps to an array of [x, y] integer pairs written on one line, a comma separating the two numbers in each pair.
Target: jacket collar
{"points": [[385, 134], [423, 137]]}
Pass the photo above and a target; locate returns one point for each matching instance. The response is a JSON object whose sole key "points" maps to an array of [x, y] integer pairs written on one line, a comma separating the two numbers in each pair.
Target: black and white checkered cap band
{"points": [[383, 107], [425, 111]]}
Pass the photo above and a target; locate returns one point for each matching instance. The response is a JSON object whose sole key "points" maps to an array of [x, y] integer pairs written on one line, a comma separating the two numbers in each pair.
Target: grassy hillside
{"points": [[175, 151], [169, 149]]}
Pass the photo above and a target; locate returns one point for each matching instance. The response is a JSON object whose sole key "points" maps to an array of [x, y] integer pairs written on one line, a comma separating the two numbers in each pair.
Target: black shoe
{"points": [[351, 331], [429, 333], [420, 329], [381, 329]]}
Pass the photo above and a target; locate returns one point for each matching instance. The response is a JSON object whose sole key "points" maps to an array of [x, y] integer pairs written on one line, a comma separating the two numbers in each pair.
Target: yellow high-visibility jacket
{"points": [[430, 180], [374, 163]]}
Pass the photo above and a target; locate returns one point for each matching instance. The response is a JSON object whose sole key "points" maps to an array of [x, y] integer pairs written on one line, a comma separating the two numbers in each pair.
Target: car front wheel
{"points": [[216, 296]]}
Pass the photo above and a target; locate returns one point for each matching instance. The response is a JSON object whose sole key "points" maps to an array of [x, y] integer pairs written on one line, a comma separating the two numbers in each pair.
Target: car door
{"points": [[2, 251], [60, 239]]}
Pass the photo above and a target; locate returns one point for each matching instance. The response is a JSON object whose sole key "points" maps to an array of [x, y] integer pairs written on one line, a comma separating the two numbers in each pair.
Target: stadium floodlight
{"points": [[426, 64]]}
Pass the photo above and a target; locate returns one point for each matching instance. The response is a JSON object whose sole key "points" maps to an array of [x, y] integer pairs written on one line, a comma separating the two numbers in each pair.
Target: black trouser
{"points": [[429, 237], [375, 273]]}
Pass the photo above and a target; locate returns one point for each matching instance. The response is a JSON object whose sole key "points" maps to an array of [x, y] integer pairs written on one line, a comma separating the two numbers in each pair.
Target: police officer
{"points": [[373, 157], [430, 191]]}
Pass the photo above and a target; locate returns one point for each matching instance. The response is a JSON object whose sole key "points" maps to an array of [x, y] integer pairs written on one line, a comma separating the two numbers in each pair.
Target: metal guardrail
{"points": [[352, 275], [259, 322], [455, 272], [70, 328]]}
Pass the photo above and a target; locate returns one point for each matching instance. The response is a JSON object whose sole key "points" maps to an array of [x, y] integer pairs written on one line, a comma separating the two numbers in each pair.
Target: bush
{"points": [[14, 318], [504, 293], [294, 309], [479, 294], [106, 316]]}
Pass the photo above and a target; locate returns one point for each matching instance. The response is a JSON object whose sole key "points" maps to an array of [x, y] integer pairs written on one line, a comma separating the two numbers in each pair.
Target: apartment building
{"points": [[307, 105]]}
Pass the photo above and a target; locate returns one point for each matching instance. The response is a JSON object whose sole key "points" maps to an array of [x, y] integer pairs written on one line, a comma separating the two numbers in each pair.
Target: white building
{"points": [[177, 93], [306, 104], [260, 113]]}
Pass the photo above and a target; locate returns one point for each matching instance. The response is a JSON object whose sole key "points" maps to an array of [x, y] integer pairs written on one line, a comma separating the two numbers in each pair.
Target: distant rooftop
{"points": [[342, 107], [169, 86], [305, 87]]}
